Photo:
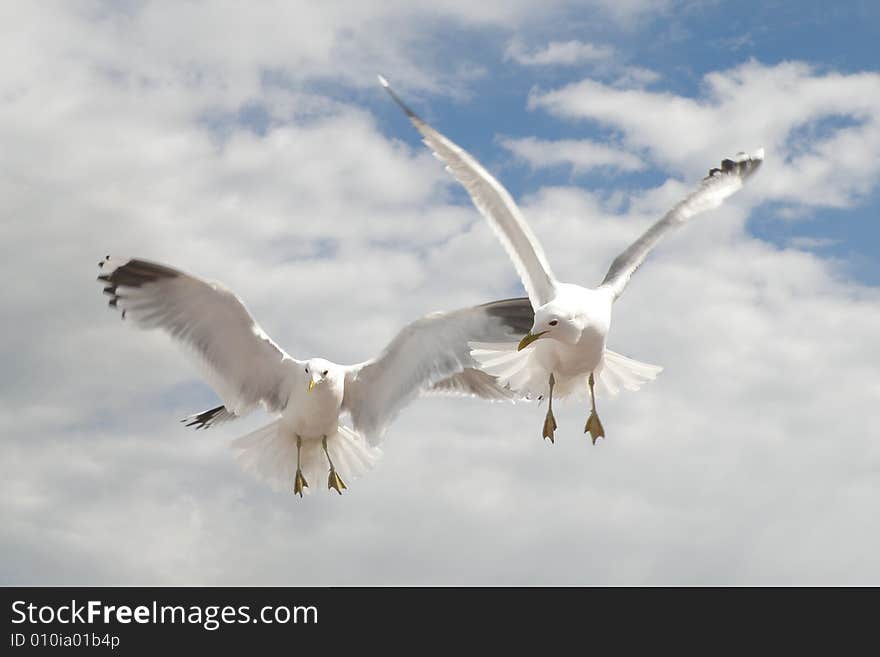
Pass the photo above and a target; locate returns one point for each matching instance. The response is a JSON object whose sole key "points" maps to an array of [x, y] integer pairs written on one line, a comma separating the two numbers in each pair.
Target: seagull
{"points": [[564, 351], [248, 370]]}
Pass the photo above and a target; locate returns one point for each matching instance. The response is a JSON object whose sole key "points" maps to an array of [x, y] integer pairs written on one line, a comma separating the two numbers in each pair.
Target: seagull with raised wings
{"points": [[564, 351], [248, 370]]}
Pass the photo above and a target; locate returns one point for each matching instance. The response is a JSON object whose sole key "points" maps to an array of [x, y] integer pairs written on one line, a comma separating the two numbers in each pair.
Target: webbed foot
{"points": [[299, 483], [334, 481], [594, 427], [549, 426]]}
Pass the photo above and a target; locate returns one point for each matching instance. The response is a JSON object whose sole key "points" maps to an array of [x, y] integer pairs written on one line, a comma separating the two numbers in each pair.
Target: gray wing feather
{"points": [[474, 383]]}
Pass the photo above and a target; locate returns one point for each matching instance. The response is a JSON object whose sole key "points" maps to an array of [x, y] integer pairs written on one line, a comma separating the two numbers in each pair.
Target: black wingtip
{"points": [[207, 419], [741, 164], [397, 99]]}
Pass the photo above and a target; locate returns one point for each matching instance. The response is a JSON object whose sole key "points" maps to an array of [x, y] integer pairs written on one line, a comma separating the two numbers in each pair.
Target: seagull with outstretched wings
{"points": [[564, 351], [248, 370]]}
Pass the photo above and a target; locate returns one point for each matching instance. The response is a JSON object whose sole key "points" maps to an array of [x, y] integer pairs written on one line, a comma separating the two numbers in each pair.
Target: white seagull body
{"points": [[248, 370], [565, 350]]}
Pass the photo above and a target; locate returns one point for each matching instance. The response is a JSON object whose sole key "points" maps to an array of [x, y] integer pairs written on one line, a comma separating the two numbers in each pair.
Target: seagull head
{"points": [[553, 321], [319, 370]]}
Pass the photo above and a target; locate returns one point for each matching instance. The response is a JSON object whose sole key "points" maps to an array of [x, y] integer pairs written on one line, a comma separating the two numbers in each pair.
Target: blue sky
{"points": [[698, 39], [251, 144], [680, 47]]}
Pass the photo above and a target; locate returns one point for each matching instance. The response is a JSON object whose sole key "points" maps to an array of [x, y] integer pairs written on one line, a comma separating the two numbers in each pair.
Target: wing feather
{"points": [[495, 204], [432, 355], [243, 365], [472, 382], [712, 191]]}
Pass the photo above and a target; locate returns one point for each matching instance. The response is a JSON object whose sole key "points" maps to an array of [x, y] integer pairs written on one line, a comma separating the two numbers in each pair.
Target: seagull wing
{"points": [[495, 204], [473, 383], [712, 191], [432, 356], [243, 365]]}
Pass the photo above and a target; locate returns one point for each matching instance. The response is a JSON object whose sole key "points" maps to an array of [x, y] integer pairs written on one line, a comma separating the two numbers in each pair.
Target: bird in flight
{"points": [[248, 370], [564, 351]]}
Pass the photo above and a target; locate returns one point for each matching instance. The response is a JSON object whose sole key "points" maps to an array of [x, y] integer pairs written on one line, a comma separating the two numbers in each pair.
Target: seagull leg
{"points": [[334, 481], [299, 482], [594, 426], [549, 420]]}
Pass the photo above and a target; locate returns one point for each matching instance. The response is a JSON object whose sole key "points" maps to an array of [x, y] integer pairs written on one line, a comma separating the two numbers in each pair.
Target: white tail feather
{"points": [[618, 372], [520, 372], [269, 453], [514, 369]]}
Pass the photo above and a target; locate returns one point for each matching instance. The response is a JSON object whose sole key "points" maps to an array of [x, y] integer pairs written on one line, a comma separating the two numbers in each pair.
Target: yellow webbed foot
{"points": [[334, 481], [594, 427], [549, 426], [299, 483]]}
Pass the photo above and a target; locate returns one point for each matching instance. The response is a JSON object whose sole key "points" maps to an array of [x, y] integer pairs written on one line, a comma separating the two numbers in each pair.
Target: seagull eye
{"points": [[325, 372], [307, 370], [554, 322]]}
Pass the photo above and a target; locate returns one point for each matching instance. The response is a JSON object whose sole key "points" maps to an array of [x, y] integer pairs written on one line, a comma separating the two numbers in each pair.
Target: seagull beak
{"points": [[529, 339], [311, 385]]}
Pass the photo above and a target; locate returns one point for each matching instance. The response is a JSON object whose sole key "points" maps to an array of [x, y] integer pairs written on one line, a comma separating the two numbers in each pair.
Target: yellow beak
{"points": [[529, 339], [311, 385]]}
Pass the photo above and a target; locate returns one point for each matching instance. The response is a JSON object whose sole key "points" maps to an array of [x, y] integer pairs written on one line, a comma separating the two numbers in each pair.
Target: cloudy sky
{"points": [[251, 144]]}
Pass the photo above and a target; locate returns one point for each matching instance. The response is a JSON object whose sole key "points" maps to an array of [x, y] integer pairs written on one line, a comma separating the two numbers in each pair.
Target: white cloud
{"points": [[603, 61], [745, 107], [635, 77], [746, 461], [564, 53], [581, 154]]}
